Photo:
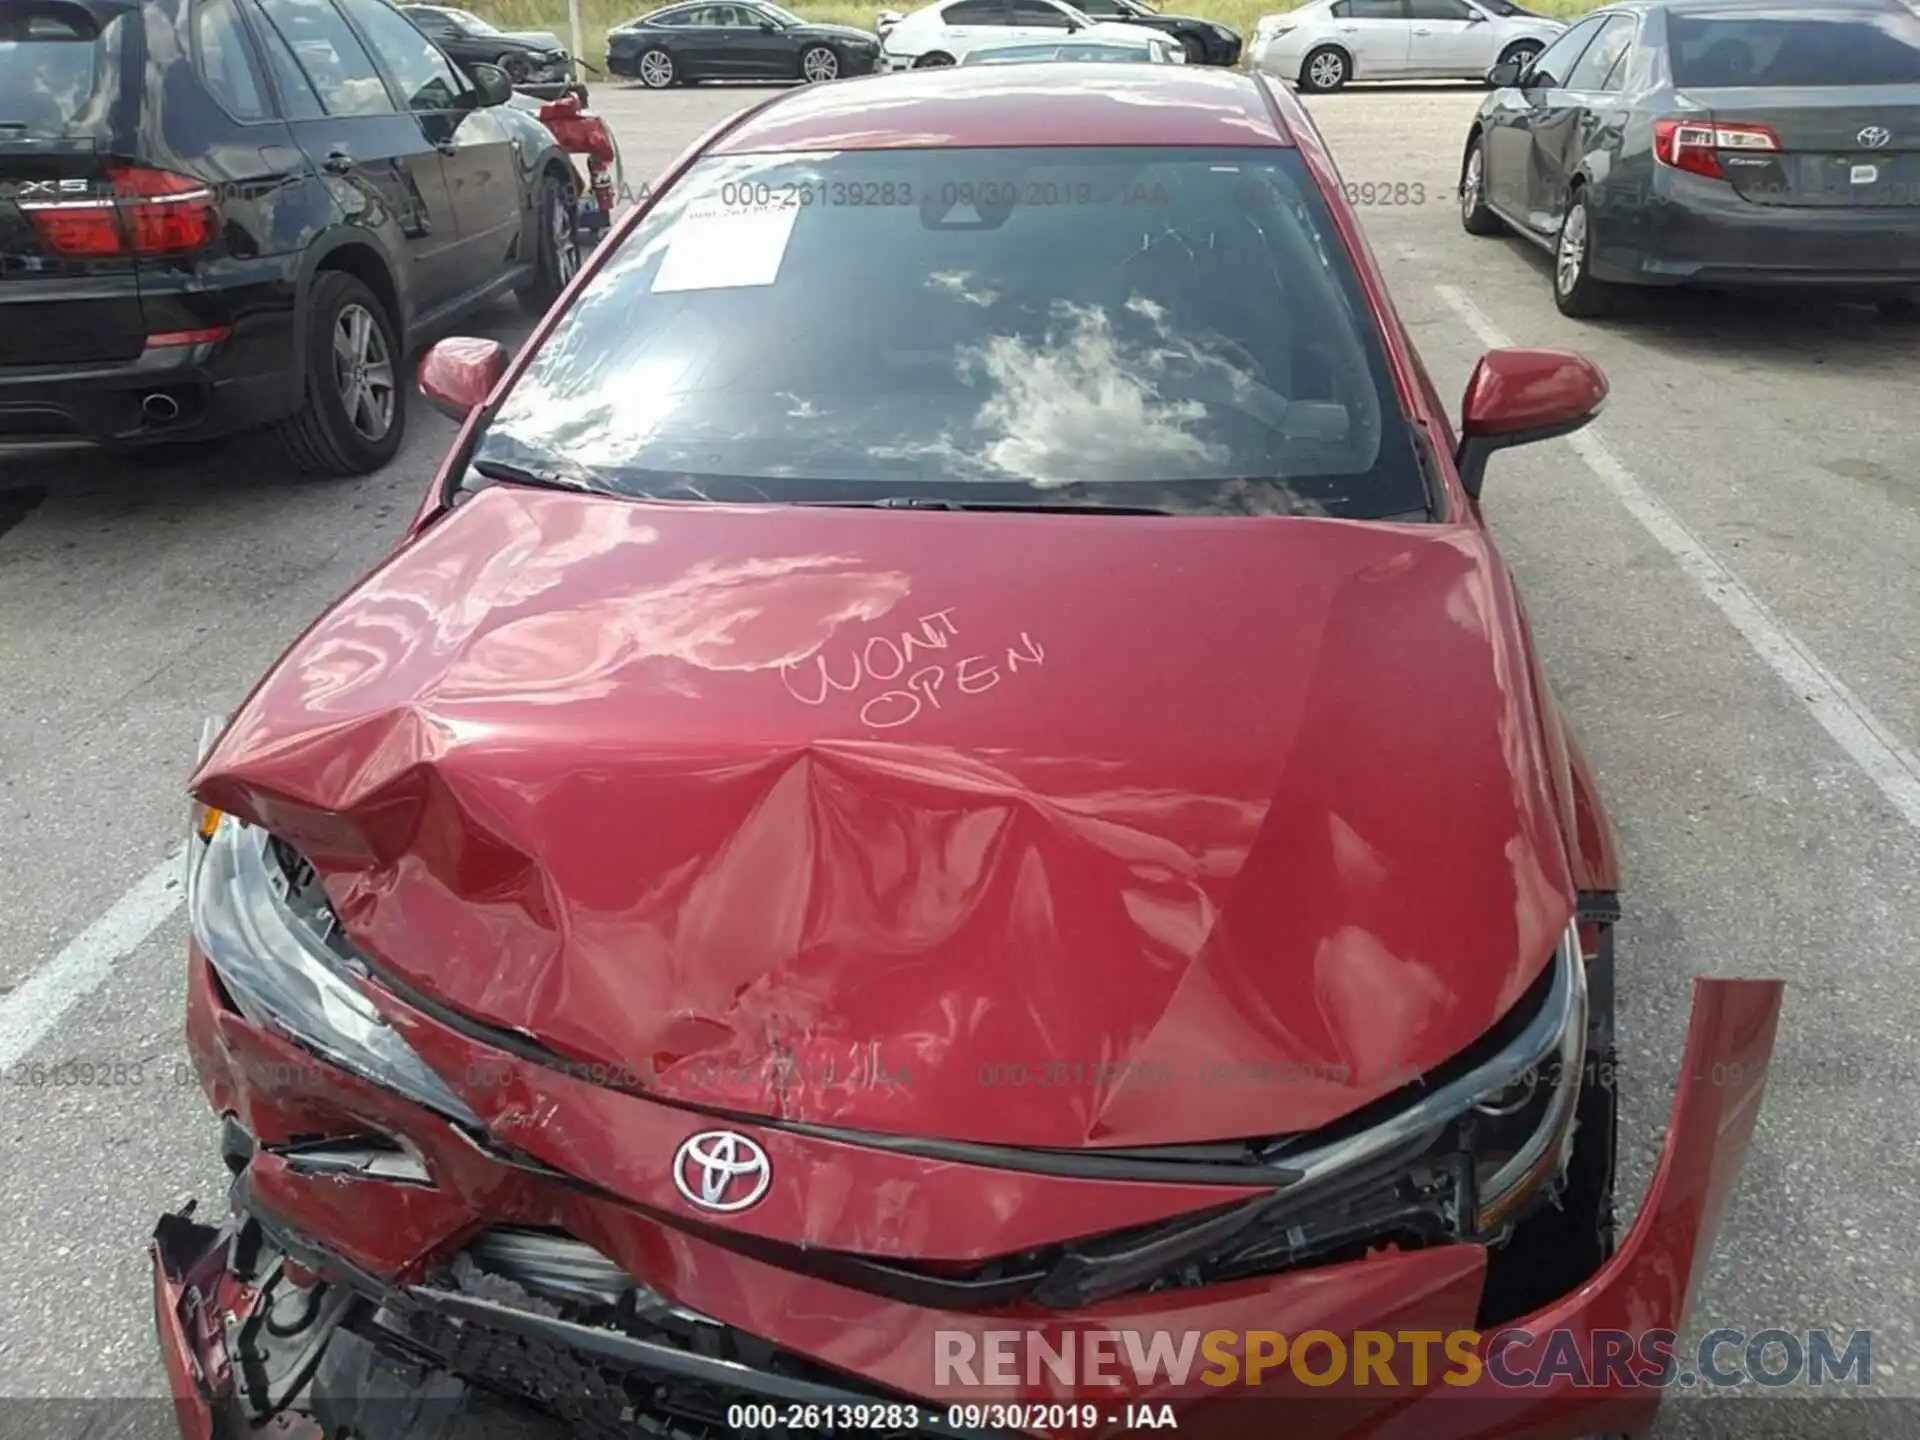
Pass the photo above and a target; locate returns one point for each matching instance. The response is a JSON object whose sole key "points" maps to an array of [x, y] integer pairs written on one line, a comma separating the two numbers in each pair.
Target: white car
{"points": [[1326, 43], [1146, 49], [943, 34]]}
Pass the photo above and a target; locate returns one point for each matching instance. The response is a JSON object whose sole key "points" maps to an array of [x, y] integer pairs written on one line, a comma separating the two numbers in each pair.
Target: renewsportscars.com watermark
{"points": [[1418, 1359]]}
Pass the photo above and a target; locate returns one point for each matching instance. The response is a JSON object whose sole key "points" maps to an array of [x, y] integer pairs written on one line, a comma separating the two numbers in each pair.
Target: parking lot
{"points": [[1724, 575]]}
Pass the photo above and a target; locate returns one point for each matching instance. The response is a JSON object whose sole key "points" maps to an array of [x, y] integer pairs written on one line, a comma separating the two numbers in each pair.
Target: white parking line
{"points": [[1872, 745], [84, 965]]}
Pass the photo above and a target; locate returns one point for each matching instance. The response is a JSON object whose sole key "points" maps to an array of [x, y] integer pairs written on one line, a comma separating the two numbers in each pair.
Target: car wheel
{"points": [[1475, 217], [515, 65], [1575, 292], [355, 413], [1196, 51], [1325, 69], [559, 241], [657, 70], [1520, 53], [818, 63], [932, 60]]}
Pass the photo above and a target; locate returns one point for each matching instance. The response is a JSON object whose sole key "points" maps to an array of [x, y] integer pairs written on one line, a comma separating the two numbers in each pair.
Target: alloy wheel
{"points": [[656, 69], [1571, 258], [1474, 182], [819, 64], [363, 371], [566, 239], [1327, 70]]}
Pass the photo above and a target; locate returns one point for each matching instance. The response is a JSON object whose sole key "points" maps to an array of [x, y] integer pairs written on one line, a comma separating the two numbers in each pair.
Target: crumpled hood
{"points": [[1033, 830]]}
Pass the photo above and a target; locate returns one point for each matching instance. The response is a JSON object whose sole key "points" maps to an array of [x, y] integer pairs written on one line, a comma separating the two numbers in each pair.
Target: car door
{"points": [[1376, 33], [708, 28], [974, 22], [1577, 117], [1444, 39], [749, 44], [372, 153], [1041, 20], [1508, 123], [478, 157]]}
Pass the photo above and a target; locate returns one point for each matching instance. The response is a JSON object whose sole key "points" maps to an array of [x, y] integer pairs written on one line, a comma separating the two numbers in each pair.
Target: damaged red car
{"points": [[949, 755]]}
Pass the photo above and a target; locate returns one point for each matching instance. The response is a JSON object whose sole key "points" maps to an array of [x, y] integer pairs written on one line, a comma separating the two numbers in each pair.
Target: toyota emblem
{"points": [[1875, 137], [721, 1170]]}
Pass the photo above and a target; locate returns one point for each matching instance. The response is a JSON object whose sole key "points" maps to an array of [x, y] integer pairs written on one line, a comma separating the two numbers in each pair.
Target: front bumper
{"points": [[1690, 229], [370, 1254], [1224, 50]]}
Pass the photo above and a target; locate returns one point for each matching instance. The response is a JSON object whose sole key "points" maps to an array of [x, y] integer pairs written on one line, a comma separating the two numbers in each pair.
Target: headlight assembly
{"points": [[274, 948], [1460, 1157], [1512, 1111]]}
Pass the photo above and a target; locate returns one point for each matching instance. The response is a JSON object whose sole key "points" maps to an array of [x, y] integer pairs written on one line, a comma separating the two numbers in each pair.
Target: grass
{"points": [[599, 16]]}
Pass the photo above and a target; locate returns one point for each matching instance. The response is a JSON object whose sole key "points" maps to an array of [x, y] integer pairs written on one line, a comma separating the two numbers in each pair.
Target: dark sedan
{"points": [[535, 60], [685, 43], [1724, 142], [1205, 42]]}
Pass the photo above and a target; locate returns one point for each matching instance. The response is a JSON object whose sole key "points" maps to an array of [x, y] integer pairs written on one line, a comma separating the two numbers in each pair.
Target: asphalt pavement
{"points": [[1723, 574]]}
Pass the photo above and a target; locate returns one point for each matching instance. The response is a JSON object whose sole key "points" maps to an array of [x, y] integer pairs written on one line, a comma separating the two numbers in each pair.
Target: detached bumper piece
{"points": [[267, 1333]]}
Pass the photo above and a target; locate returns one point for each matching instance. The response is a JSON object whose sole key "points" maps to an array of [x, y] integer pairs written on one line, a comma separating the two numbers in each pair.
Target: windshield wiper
{"points": [[504, 472], [933, 502]]}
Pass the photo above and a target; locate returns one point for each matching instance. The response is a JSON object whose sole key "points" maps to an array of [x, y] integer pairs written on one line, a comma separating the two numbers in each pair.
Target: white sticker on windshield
{"points": [[726, 247], [1865, 174]]}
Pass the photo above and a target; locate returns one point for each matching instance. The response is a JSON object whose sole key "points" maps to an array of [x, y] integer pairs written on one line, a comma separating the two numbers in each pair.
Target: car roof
{"points": [[1071, 103]]}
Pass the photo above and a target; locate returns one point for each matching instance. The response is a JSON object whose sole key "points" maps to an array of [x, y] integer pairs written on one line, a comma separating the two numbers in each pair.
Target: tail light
{"points": [[147, 212], [1695, 145]]}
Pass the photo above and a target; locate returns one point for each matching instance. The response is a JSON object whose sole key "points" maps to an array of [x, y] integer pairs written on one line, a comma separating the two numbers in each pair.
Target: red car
{"points": [[949, 759]]}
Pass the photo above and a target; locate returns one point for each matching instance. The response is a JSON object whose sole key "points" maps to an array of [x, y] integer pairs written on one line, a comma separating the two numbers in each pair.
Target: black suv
{"points": [[223, 214]]}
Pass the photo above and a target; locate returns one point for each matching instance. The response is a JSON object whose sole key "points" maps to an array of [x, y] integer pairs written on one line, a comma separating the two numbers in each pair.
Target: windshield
{"points": [[1164, 328], [470, 21], [1792, 48], [785, 17], [59, 73]]}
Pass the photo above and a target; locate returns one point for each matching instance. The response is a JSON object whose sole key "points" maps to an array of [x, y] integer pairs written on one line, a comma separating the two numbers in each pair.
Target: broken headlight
{"points": [[262, 921]]}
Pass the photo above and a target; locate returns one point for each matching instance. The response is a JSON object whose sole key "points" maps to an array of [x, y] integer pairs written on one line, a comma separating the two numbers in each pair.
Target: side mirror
{"points": [[458, 373], [1474, 17], [1521, 397], [490, 82], [1504, 75], [1073, 27]]}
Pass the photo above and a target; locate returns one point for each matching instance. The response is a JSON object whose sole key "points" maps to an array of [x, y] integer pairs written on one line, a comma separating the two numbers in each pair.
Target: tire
{"points": [[1576, 293], [331, 435], [1475, 217], [515, 64], [933, 60], [1325, 70], [819, 63], [656, 70], [558, 237], [1196, 51], [1521, 52]]}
